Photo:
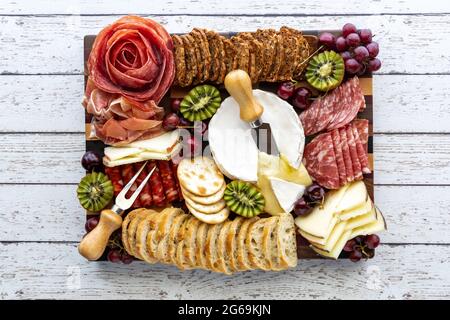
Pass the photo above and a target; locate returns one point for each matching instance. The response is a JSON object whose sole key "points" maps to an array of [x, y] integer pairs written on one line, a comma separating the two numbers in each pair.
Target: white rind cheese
{"points": [[287, 193]]}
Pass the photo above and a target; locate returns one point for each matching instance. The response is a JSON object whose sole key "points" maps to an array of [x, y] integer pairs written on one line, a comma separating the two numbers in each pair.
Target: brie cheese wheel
{"points": [[232, 144], [287, 193]]}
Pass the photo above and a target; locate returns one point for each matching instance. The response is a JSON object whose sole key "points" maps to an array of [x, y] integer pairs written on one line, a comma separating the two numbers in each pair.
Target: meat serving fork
{"points": [[94, 243]]}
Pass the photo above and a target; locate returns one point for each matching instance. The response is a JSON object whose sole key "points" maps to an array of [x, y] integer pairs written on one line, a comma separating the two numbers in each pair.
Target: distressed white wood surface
{"points": [[41, 131], [403, 103], [53, 44], [56, 270]]}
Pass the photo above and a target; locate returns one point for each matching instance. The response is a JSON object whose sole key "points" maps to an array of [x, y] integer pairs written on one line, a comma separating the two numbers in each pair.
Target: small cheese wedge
{"points": [[142, 156], [287, 193], [271, 203], [115, 153], [160, 144], [337, 249], [362, 220], [296, 175], [334, 237], [355, 196], [120, 162], [358, 211], [321, 220], [371, 228]]}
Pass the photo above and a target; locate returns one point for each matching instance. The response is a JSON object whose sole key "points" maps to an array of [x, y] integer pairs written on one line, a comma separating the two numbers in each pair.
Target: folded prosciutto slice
{"points": [[133, 57]]}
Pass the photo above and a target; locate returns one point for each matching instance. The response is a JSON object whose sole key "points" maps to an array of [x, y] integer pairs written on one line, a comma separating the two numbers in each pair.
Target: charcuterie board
{"points": [[365, 81]]}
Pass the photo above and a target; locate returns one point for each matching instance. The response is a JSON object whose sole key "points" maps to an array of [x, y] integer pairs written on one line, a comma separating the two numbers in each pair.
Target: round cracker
{"points": [[208, 209], [200, 176], [214, 218], [205, 200]]}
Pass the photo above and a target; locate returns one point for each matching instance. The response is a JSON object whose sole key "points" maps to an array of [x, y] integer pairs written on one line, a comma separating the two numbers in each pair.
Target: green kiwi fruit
{"points": [[244, 199], [95, 191], [325, 71], [200, 103]]}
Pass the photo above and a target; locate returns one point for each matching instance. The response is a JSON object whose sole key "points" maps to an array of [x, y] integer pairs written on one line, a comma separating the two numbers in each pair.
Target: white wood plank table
{"points": [[41, 142]]}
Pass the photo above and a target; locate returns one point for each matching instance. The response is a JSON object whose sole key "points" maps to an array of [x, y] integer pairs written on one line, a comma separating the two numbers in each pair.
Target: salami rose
{"points": [[133, 57]]}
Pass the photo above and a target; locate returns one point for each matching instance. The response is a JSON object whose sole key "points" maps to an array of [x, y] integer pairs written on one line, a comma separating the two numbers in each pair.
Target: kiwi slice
{"points": [[325, 71], [244, 199], [200, 103], [95, 191]]}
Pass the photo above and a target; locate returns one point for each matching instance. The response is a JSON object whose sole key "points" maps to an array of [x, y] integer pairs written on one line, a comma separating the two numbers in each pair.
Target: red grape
{"points": [[286, 90], [369, 253], [372, 241], [353, 40], [126, 258], [315, 192], [374, 64], [301, 208], [365, 35], [361, 53], [184, 122], [373, 49], [91, 161], [327, 39], [91, 223], [352, 66], [175, 105], [359, 240], [341, 44], [346, 55], [349, 246], [362, 70], [171, 121], [114, 256], [301, 98], [355, 255], [348, 28]]}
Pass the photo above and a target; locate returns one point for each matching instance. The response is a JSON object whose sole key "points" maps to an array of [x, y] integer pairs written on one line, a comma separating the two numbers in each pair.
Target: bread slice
{"points": [[189, 244], [254, 244], [151, 242], [200, 251], [270, 245], [144, 227], [131, 233], [130, 216], [223, 258], [242, 251], [162, 231], [168, 244], [286, 239], [231, 243], [212, 258]]}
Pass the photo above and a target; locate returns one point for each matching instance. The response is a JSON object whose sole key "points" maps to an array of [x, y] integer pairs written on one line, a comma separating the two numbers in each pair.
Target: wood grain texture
{"points": [[55, 158], [52, 213], [43, 270], [402, 103], [54, 44], [216, 7]]}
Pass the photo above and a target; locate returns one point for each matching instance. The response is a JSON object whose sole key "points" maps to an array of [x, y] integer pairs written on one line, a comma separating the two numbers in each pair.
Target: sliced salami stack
{"points": [[334, 110], [340, 156]]}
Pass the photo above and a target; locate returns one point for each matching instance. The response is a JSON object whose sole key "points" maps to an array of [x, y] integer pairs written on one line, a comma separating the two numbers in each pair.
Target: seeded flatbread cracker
{"points": [[198, 58], [203, 46], [222, 59], [191, 60], [252, 45], [290, 48], [267, 38], [214, 51], [279, 59], [230, 53], [180, 65]]}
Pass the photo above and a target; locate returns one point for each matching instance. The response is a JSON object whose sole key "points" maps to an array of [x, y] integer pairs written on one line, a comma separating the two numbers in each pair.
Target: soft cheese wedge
{"points": [[287, 193], [320, 222], [355, 196]]}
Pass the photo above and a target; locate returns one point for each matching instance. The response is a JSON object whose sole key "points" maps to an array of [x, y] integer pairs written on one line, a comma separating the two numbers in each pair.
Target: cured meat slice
{"points": [[320, 161], [156, 185], [133, 57], [168, 181], [362, 125], [362, 154], [334, 110], [357, 171], [116, 179], [346, 155], [145, 197], [339, 157], [127, 174]]}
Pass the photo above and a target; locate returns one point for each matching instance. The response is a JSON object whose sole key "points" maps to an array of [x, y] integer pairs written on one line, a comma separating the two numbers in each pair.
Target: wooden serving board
{"points": [[303, 250]]}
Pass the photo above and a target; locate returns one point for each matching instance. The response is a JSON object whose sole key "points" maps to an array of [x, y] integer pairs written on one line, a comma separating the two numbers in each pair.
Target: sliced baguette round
{"points": [[207, 199], [286, 239], [200, 176], [223, 258], [254, 244], [200, 252], [151, 240], [147, 224], [232, 241], [212, 258], [206, 209], [242, 250], [167, 246], [270, 245], [131, 233], [130, 216], [189, 244]]}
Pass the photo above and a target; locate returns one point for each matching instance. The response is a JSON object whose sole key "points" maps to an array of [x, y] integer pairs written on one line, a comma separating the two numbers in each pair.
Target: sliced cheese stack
{"points": [[162, 147], [173, 237], [346, 213], [203, 187]]}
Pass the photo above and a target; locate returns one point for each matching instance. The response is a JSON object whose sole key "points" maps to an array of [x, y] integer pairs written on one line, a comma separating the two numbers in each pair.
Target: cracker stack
{"points": [[173, 237], [266, 55]]}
